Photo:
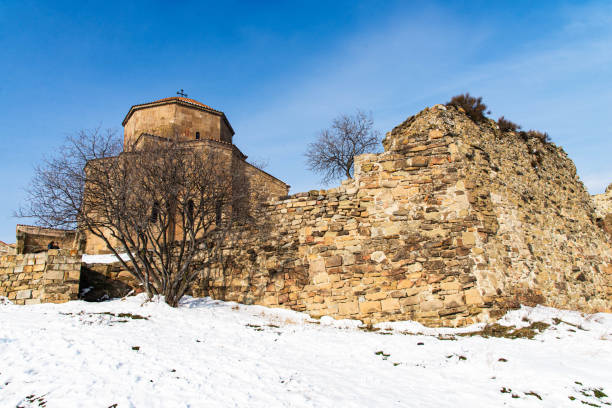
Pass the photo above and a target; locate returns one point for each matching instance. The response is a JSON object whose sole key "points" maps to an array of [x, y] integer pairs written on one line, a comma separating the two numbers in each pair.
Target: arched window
{"points": [[219, 212], [197, 135], [190, 210], [154, 212]]}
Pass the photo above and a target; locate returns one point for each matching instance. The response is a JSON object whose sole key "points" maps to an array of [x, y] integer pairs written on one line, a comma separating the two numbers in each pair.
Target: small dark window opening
{"points": [[219, 212], [190, 210], [154, 212], [197, 135]]}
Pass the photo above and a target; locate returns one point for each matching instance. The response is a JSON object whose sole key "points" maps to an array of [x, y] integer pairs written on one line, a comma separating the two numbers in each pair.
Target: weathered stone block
{"points": [[390, 305], [434, 161], [348, 308], [435, 134], [405, 283], [472, 297], [333, 261], [269, 301], [367, 167], [24, 294], [452, 301], [398, 293], [320, 278], [433, 278], [419, 161], [450, 286], [378, 256], [377, 295], [38, 267], [468, 238], [54, 275], [72, 275], [414, 268], [414, 290], [123, 275], [409, 301], [369, 307], [348, 259], [431, 305]]}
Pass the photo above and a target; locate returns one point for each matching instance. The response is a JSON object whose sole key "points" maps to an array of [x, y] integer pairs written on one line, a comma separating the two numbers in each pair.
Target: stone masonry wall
{"points": [[6, 249], [603, 202], [31, 239], [539, 234], [452, 224], [46, 277], [603, 209]]}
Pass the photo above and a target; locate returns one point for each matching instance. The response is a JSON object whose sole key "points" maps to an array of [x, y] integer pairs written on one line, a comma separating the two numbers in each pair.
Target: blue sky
{"points": [[282, 70]]}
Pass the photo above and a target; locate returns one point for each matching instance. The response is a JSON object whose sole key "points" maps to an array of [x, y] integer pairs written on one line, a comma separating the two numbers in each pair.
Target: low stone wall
{"points": [[106, 281], [33, 239], [46, 277], [6, 249]]}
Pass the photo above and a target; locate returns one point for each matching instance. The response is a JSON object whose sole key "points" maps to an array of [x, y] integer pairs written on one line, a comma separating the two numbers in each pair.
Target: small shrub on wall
{"points": [[472, 106], [535, 134], [506, 125]]}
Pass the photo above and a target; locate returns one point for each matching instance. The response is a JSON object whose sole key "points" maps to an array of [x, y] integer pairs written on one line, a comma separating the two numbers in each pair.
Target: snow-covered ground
{"points": [[215, 354]]}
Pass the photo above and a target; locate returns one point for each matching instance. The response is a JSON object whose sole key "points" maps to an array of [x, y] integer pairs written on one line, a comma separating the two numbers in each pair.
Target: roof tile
{"points": [[180, 98]]}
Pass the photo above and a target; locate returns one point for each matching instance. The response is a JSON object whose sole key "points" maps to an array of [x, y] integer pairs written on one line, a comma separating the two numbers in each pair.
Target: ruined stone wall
{"points": [[31, 239], [7, 249], [603, 210], [603, 202], [538, 231], [46, 277], [452, 224]]}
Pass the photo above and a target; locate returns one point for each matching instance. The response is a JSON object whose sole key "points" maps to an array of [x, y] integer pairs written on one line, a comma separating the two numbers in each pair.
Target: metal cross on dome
{"points": [[182, 93]]}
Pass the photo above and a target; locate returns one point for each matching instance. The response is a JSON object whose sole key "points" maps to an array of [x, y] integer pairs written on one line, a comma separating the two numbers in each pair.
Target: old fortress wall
{"points": [[603, 209], [452, 224]]}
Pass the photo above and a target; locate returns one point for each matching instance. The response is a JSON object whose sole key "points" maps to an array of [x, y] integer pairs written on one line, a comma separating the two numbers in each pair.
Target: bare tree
{"points": [[56, 190], [165, 207], [333, 153]]}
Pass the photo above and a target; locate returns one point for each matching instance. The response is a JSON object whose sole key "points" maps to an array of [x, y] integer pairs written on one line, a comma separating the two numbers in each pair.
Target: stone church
{"points": [[178, 119], [194, 125]]}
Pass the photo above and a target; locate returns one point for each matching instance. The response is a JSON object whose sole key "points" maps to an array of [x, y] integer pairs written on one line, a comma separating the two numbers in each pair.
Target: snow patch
{"points": [[103, 259], [142, 353]]}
